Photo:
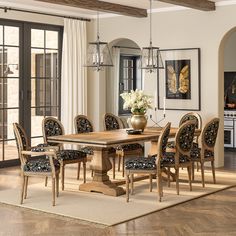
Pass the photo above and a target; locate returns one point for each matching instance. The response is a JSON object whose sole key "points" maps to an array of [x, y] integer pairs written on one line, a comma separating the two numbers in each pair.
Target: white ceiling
{"points": [[77, 12]]}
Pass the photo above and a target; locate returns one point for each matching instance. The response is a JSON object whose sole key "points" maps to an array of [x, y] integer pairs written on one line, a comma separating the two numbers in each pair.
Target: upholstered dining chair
{"points": [[113, 122], [53, 127], [186, 117], [35, 162], [167, 160], [206, 152], [148, 165], [84, 125]]}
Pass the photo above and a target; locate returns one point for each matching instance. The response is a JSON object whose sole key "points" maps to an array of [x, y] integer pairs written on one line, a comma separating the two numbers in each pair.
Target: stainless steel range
{"points": [[230, 128]]}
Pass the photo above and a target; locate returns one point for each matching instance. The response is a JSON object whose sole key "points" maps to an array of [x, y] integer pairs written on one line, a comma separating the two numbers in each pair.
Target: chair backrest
{"points": [[83, 124], [52, 127], [22, 141], [209, 134], [111, 122], [184, 137], [192, 116], [162, 142]]}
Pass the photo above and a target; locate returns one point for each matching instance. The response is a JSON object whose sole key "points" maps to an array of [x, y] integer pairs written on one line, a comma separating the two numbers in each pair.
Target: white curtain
{"points": [[113, 83], [74, 74]]}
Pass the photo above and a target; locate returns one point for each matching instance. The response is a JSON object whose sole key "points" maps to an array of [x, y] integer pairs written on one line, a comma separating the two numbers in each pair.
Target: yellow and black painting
{"points": [[178, 79]]}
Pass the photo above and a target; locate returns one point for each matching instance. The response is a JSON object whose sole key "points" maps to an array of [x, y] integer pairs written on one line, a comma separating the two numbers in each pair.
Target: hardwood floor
{"points": [[211, 215]]}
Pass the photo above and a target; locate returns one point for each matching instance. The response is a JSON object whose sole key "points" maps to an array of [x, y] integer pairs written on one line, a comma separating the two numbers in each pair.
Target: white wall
{"points": [[230, 53], [181, 29]]}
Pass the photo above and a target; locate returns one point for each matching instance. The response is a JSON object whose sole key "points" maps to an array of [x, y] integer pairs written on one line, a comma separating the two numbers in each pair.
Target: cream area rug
{"points": [[107, 210]]}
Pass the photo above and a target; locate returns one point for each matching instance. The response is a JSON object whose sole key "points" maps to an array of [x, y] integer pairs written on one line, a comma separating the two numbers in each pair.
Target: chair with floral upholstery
{"points": [[189, 116], [53, 127], [36, 161], [206, 152], [148, 165], [84, 125], [112, 122]]}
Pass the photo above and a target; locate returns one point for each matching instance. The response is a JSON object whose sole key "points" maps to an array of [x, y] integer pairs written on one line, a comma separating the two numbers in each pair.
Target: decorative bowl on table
{"points": [[134, 131]]}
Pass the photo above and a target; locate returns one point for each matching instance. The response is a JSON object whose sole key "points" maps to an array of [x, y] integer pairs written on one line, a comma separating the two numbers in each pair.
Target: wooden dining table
{"points": [[101, 142]]}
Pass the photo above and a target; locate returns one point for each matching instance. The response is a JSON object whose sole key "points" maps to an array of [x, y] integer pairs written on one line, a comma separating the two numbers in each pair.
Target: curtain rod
{"points": [[125, 47], [41, 13]]}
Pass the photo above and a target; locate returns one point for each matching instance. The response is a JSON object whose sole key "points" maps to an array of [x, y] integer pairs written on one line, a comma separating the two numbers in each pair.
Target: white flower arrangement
{"points": [[137, 101]]}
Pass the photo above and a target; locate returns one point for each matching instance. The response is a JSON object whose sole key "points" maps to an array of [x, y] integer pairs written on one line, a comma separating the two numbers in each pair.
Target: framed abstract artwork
{"points": [[179, 82]]}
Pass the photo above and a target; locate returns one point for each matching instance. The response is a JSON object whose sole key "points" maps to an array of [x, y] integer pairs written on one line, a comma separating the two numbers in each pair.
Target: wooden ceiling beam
{"points": [[203, 5], [101, 6]]}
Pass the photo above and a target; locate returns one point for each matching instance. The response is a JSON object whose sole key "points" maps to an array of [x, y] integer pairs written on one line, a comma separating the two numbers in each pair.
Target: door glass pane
{"points": [[10, 149], [51, 63], [12, 92], [1, 34], [37, 38], [37, 63], [36, 123], [11, 60], [11, 35], [51, 39], [12, 116]]}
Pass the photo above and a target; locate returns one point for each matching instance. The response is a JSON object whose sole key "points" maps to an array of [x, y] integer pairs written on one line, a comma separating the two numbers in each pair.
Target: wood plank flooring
{"points": [[211, 215]]}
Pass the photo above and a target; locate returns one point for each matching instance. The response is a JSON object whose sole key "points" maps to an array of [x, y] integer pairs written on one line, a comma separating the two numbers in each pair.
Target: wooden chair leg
{"points": [[62, 176], [150, 182], [26, 186], [92, 173], [193, 166], [132, 184], [78, 171], [22, 189], [84, 171], [202, 173], [168, 176], [118, 161], [177, 180], [127, 188], [114, 167], [197, 166], [189, 168], [46, 181], [57, 185], [213, 171], [53, 191], [159, 186], [123, 165]]}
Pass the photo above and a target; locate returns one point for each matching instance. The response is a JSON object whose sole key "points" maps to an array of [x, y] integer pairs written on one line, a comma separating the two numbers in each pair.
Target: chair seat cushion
{"points": [[70, 155], [40, 147], [141, 163], [111, 150], [130, 147], [40, 164], [196, 153], [169, 159], [171, 145], [87, 150]]}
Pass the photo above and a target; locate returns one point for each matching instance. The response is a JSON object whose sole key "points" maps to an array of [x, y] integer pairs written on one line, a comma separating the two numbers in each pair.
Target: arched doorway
{"points": [[227, 106]]}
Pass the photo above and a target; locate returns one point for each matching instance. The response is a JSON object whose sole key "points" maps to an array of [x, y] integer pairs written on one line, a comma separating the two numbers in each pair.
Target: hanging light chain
{"points": [[98, 36], [150, 22]]}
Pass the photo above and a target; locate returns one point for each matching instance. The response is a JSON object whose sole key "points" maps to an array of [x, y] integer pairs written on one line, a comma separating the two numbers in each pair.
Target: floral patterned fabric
{"points": [[52, 128], [83, 125], [196, 153], [111, 123], [40, 164], [87, 150], [189, 117], [70, 155], [141, 163], [210, 133], [186, 137], [130, 147]]}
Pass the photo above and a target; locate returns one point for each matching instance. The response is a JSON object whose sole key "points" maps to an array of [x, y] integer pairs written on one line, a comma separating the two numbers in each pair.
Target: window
{"points": [[130, 77]]}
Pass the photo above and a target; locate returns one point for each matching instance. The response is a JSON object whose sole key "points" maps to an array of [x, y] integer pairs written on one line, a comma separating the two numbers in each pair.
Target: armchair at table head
{"points": [[35, 162]]}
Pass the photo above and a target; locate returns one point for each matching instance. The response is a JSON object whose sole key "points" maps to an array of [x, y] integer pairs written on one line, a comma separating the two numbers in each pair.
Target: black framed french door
{"points": [[29, 81]]}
